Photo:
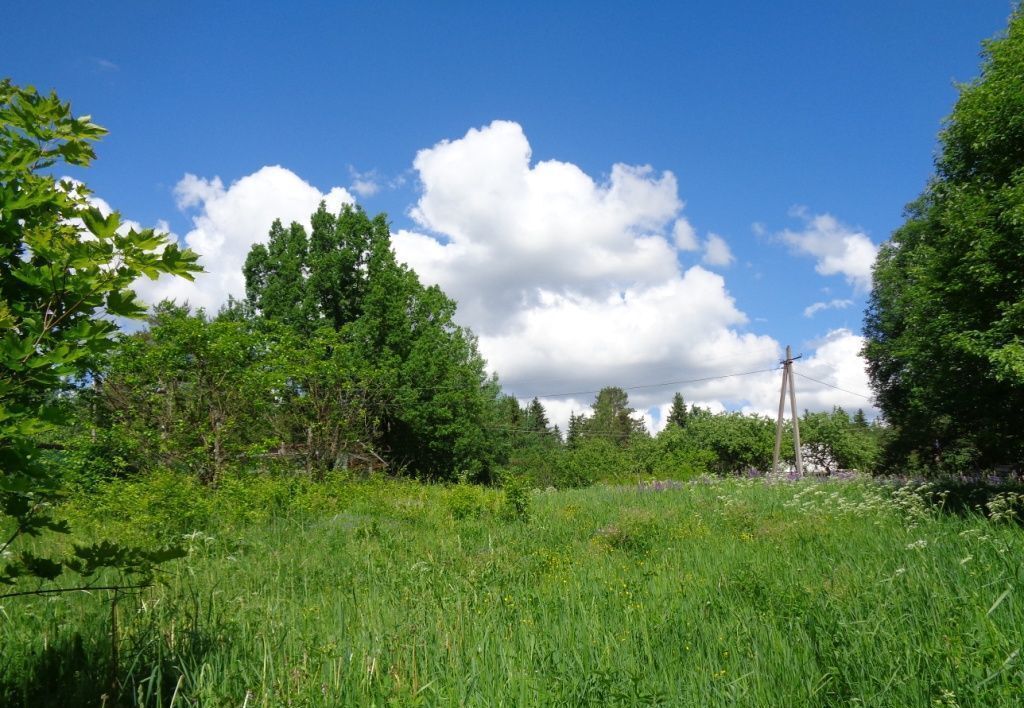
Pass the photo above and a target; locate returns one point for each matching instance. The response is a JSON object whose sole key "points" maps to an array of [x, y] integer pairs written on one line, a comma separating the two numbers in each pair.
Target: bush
{"points": [[516, 503], [466, 501]]}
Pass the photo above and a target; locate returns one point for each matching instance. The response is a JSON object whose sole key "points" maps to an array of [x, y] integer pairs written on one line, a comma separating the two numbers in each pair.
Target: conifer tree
{"points": [[536, 417], [678, 414]]}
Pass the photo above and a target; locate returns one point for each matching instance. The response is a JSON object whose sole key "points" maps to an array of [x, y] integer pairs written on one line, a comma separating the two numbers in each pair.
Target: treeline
{"points": [[613, 445], [339, 358]]}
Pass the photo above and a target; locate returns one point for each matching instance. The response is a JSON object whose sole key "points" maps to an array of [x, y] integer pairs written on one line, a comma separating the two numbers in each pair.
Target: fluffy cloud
{"points": [[812, 310], [716, 251], [513, 230], [837, 248], [685, 236], [573, 284], [841, 377], [227, 222]]}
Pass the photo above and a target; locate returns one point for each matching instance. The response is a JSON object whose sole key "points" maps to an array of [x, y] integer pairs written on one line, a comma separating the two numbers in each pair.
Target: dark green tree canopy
{"points": [[678, 413], [945, 324], [537, 417], [612, 417], [324, 277], [437, 396], [275, 282]]}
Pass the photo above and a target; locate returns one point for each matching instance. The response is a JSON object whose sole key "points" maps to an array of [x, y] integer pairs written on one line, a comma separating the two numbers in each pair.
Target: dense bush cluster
{"points": [[693, 443]]}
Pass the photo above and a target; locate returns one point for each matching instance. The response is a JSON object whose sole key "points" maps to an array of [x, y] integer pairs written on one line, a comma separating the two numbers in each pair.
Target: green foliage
{"points": [[736, 442], [466, 501], [831, 442], [679, 454], [428, 381], [204, 395], [368, 593], [274, 279], [945, 325], [516, 504], [612, 418], [678, 414], [66, 271]]}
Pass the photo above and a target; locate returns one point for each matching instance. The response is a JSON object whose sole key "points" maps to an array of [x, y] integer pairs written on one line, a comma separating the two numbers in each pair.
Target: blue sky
{"points": [[787, 127]]}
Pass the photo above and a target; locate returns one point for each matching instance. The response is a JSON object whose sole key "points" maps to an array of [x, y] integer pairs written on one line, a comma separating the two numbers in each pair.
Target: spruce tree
{"points": [[678, 414], [536, 417]]}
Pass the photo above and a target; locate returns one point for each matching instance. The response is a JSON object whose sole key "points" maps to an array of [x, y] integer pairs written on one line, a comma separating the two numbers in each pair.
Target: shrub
{"points": [[516, 502]]}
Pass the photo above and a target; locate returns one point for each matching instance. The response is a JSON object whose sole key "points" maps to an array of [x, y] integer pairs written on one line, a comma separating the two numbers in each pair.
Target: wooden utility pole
{"points": [[787, 382]]}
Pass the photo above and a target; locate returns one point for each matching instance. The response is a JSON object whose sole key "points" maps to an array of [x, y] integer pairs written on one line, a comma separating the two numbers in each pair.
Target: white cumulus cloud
{"points": [[572, 283], [815, 308], [227, 222], [836, 363], [716, 251], [837, 248], [685, 236]]}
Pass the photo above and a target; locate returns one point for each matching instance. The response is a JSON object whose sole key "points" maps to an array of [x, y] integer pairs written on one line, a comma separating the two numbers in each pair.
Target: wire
{"points": [[825, 383], [663, 383], [667, 367]]}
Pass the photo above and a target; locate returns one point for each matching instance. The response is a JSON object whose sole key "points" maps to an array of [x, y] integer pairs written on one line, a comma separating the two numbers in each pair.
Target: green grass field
{"points": [[731, 592]]}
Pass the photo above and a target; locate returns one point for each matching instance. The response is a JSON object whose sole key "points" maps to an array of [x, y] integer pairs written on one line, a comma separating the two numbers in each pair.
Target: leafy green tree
{"points": [[612, 418], [181, 390], [66, 271], [203, 395], [945, 324], [593, 459], [715, 443], [340, 251], [832, 441], [739, 442], [275, 281], [678, 453], [678, 413], [438, 403], [441, 399]]}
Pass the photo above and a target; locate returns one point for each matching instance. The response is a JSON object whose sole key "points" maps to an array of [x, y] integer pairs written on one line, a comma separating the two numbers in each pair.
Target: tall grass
{"points": [[722, 593]]}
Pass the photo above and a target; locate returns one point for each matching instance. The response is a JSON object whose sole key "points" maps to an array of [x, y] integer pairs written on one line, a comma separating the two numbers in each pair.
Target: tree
{"points": [[832, 441], [537, 418], [440, 397], [575, 429], [945, 323], [66, 270], [275, 281], [612, 417], [340, 251], [678, 414], [435, 395]]}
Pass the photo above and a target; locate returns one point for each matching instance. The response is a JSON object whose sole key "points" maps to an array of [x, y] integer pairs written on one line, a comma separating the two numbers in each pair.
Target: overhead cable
{"points": [[826, 383]]}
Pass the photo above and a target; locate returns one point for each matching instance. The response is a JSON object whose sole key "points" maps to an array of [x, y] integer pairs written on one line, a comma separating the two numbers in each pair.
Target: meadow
{"points": [[716, 591]]}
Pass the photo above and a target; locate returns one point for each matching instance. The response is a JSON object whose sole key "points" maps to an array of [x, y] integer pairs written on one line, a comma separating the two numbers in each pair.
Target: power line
{"points": [[703, 361], [825, 383], [657, 385]]}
